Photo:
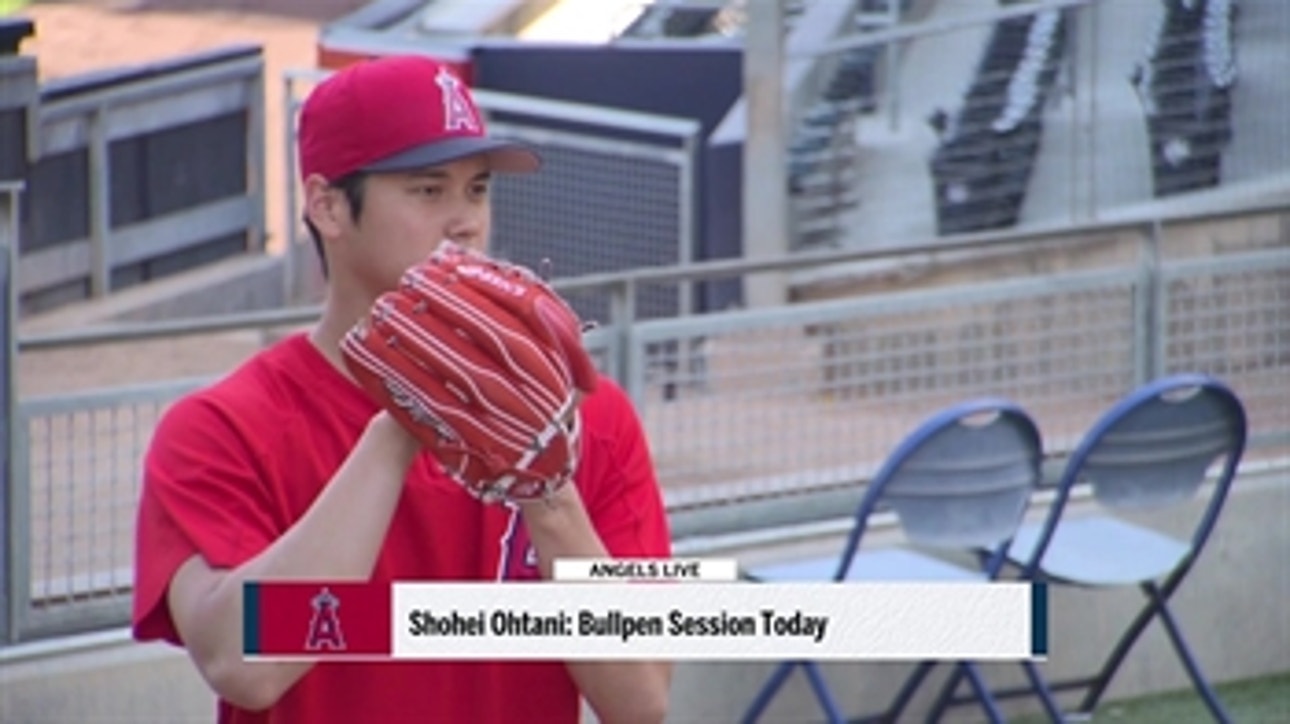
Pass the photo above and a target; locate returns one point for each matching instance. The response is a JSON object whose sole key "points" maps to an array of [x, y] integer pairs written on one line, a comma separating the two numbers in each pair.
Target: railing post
{"points": [[100, 184], [257, 182], [1149, 334], [1089, 206], [290, 254], [686, 220], [13, 548], [892, 51], [765, 171], [622, 313]]}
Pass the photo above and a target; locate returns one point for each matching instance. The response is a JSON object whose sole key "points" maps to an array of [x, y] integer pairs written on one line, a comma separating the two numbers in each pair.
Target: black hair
{"points": [[352, 185]]}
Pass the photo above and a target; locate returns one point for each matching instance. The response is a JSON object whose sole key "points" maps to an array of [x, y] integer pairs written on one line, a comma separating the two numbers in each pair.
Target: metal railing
{"points": [[149, 152], [13, 548], [799, 400]]}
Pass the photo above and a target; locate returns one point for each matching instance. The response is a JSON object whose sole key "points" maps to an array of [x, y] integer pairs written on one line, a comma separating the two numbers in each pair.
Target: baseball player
{"points": [[292, 468]]}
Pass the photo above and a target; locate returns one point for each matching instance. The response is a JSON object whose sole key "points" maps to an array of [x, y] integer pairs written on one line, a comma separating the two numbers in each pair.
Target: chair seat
{"points": [[887, 564], [1100, 551]]}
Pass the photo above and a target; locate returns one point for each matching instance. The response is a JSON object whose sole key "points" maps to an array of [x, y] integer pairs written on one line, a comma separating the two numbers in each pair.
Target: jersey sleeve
{"points": [[202, 493], [620, 487]]}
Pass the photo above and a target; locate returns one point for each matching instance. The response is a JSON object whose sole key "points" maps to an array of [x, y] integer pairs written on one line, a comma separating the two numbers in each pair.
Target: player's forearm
{"points": [[624, 692], [619, 692], [339, 538]]}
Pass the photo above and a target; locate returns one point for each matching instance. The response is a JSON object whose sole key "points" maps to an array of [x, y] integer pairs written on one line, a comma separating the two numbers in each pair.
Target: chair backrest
{"points": [[961, 480], [1154, 448]]}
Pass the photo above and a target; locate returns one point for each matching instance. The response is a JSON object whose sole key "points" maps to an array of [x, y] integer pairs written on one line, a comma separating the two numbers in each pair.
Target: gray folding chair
{"points": [[961, 481], [1153, 449]]}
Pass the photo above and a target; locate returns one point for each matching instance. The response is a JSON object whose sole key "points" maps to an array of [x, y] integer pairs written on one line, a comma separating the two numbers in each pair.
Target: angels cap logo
{"points": [[324, 627], [458, 112]]}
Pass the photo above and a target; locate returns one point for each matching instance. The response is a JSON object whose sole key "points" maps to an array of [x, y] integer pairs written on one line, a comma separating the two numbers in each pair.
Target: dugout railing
{"points": [[747, 407], [138, 173]]}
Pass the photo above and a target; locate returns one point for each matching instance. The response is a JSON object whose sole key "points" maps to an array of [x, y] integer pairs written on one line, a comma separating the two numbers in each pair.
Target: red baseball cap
{"points": [[397, 113]]}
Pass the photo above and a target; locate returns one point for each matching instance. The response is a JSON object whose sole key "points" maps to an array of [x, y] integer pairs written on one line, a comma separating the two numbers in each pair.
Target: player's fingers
{"points": [[497, 331], [432, 354]]}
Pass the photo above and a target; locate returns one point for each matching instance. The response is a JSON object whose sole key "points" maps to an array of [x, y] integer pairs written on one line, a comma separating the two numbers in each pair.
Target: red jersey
{"points": [[233, 466]]}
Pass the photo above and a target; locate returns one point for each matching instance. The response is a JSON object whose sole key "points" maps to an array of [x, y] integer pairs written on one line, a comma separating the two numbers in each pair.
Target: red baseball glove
{"points": [[484, 364]]}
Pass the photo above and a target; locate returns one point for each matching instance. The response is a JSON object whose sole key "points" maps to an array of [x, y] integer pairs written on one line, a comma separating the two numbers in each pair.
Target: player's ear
{"points": [[323, 206]]}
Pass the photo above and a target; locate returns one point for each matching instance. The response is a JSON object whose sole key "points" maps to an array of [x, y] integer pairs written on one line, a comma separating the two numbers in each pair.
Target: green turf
{"points": [[1257, 701], [8, 7]]}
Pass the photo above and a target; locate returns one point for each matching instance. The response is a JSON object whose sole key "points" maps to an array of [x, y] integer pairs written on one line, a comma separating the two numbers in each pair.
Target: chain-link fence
{"points": [[80, 459]]}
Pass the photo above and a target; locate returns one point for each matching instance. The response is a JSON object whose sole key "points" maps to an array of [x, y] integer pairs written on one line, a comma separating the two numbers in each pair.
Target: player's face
{"points": [[406, 215]]}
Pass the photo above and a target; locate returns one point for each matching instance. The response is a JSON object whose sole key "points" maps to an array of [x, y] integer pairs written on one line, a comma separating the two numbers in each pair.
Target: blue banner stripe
{"points": [[250, 618], [1039, 619]]}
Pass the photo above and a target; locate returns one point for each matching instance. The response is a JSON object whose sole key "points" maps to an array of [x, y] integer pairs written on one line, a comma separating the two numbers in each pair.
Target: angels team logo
{"points": [[518, 560], [324, 627], [458, 114]]}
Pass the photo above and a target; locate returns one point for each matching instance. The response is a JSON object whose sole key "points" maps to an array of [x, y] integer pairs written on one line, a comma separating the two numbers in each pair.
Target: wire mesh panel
{"points": [[818, 394], [595, 209], [81, 460], [1231, 318]]}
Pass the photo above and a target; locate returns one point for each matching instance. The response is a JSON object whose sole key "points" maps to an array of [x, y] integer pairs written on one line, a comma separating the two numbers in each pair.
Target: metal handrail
{"points": [[1151, 216]]}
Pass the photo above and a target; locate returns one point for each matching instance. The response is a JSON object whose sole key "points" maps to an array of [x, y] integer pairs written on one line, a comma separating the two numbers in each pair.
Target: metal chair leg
{"points": [[907, 691], [947, 693], [822, 693], [776, 681], [1189, 661], [1046, 697], [768, 691], [1130, 636], [983, 694]]}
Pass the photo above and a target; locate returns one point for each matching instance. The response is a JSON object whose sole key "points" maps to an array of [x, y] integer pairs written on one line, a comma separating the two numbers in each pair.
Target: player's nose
{"points": [[467, 228]]}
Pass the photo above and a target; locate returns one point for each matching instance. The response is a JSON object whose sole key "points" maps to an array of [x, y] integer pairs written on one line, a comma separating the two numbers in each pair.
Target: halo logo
{"points": [[324, 627]]}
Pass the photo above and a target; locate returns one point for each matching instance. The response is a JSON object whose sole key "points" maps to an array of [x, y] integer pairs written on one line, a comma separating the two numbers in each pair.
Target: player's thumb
{"points": [[566, 330]]}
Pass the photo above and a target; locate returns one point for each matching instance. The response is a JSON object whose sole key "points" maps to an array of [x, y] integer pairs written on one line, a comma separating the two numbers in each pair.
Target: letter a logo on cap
{"points": [[458, 115]]}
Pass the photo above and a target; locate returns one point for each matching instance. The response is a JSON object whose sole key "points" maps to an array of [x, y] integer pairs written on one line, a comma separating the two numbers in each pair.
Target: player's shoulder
{"points": [[608, 403], [255, 394]]}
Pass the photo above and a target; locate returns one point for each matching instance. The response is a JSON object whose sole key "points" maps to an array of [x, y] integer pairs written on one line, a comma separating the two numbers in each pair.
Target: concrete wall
{"points": [[1112, 249], [240, 284], [1232, 608]]}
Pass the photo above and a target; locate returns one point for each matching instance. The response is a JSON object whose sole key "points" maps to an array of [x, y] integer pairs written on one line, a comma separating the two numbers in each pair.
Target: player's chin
{"points": [[390, 275]]}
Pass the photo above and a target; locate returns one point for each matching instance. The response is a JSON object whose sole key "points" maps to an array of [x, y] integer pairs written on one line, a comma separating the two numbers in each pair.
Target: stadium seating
{"points": [[1184, 83], [983, 162], [822, 175]]}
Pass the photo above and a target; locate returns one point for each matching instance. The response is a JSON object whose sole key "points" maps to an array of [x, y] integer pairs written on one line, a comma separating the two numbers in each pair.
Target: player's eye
{"points": [[428, 190], [479, 189]]}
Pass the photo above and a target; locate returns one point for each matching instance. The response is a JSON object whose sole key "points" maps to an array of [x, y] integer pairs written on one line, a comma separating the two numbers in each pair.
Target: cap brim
{"points": [[504, 156]]}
